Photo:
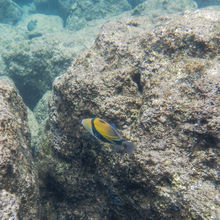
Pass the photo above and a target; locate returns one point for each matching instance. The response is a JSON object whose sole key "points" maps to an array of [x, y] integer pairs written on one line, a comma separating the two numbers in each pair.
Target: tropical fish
{"points": [[108, 133]]}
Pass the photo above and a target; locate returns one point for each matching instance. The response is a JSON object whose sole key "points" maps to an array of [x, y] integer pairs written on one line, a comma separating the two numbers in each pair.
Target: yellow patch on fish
{"points": [[105, 132]]}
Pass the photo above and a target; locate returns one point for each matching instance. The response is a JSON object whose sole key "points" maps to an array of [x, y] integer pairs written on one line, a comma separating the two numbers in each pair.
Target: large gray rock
{"points": [[83, 12], [159, 83], [38, 50], [19, 189], [41, 111], [155, 8], [77, 14]]}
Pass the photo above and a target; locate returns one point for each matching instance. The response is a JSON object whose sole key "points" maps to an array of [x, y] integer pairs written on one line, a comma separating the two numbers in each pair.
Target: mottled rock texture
{"points": [[10, 12], [42, 108], [7, 36], [19, 192], [158, 81]]}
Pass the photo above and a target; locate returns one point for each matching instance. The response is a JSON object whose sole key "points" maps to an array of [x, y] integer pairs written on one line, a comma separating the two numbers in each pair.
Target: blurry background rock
{"points": [[83, 12], [134, 3], [155, 8], [206, 3], [34, 58], [10, 12]]}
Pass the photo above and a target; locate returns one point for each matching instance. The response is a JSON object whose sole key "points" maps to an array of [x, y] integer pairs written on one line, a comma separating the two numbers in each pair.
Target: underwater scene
{"points": [[109, 109]]}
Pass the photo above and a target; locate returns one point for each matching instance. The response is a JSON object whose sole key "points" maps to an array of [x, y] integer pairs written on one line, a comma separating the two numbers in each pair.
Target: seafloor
{"points": [[150, 67]]}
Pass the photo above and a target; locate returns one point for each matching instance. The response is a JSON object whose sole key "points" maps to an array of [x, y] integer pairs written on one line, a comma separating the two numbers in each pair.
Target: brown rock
{"points": [[158, 81], [19, 193]]}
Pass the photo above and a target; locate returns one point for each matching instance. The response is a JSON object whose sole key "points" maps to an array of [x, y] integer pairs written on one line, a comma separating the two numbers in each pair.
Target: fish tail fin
{"points": [[118, 148], [129, 147]]}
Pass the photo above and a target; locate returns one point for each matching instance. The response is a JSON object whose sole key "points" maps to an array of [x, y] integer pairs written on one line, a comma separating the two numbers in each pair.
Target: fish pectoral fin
{"points": [[112, 137]]}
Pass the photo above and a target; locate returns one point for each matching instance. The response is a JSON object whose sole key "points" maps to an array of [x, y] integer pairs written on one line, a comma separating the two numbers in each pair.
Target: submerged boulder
{"points": [[81, 13], [37, 51], [158, 81], [155, 8], [19, 189]]}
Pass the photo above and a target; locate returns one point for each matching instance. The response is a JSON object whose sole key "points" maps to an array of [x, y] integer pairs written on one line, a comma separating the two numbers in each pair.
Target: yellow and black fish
{"points": [[105, 132]]}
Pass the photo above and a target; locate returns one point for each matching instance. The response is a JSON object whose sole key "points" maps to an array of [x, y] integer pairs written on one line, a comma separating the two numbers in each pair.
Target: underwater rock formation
{"points": [[84, 12], [10, 12], [33, 64], [7, 36], [19, 192], [41, 110], [159, 83], [33, 58], [155, 8], [76, 14]]}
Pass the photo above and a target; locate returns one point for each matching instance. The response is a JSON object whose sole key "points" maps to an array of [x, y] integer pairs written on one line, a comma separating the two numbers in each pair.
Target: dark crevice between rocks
{"points": [[29, 91], [52, 189], [30, 95], [207, 140], [137, 79]]}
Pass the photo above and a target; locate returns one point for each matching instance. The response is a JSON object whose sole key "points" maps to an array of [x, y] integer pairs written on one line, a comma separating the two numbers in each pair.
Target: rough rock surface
{"points": [[41, 111], [8, 35], [10, 12], [19, 192], [159, 83], [76, 14], [34, 130]]}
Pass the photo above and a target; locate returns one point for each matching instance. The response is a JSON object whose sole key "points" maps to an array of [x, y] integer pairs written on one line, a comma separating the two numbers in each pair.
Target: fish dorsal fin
{"points": [[113, 126]]}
